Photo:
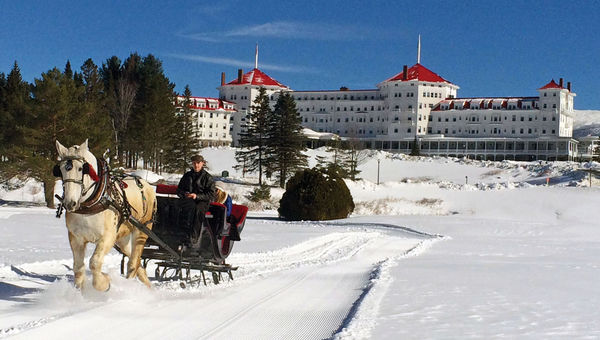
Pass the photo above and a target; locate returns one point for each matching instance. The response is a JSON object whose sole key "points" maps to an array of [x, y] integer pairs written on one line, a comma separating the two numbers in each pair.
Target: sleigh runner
{"points": [[180, 242]]}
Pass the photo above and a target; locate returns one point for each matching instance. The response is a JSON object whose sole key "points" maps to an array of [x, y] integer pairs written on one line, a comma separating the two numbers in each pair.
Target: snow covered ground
{"points": [[440, 249]]}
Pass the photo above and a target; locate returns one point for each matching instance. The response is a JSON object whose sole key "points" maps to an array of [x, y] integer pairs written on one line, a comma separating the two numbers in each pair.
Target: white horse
{"points": [[90, 219]]}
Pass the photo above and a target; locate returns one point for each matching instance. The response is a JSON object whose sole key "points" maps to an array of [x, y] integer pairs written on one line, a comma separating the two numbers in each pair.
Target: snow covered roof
{"points": [[419, 72], [258, 78], [311, 134]]}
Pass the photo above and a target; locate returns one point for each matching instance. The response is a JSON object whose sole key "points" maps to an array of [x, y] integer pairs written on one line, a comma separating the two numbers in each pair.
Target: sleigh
{"points": [[184, 246]]}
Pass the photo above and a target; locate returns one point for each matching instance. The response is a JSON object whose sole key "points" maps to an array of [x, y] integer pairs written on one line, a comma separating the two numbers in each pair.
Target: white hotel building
{"points": [[417, 104], [212, 118]]}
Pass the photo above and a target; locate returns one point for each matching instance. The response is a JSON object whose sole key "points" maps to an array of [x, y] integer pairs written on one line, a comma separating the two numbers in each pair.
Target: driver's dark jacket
{"points": [[200, 183]]}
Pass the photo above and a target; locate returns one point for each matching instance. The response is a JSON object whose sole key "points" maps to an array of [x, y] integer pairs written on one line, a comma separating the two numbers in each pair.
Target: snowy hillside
{"points": [[440, 249], [586, 123]]}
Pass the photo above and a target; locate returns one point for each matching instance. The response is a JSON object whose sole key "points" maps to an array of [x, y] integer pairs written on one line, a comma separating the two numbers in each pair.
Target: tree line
{"points": [[129, 107], [126, 106]]}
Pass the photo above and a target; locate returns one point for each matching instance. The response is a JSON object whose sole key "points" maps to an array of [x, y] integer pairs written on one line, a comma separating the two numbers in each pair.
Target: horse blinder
{"points": [[56, 171], [89, 170], [86, 168]]}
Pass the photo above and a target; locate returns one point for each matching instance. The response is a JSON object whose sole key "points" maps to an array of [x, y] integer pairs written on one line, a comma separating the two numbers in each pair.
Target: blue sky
{"points": [[488, 48]]}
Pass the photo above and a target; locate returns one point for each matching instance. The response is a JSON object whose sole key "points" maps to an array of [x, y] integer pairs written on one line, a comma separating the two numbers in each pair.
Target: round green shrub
{"points": [[315, 195]]}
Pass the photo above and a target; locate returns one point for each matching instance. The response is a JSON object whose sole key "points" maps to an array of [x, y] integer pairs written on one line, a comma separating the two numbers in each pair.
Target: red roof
{"points": [[257, 77], [419, 72], [551, 85]]}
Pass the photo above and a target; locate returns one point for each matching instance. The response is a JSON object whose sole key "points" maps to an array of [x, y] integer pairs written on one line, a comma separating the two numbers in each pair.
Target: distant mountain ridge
{"points": [[586, 123]]}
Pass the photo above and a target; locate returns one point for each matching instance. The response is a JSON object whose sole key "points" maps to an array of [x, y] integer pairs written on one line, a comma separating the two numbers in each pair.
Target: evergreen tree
{"points": [[68, 71], [185, 136], [415, 150], [4, 117], [153, 116], [90, 85], [286, 139], [56, 114], [253, 139], [14, 107], [315, 194]]}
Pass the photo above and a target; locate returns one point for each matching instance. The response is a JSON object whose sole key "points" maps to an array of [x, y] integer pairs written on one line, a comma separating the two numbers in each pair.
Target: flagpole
{"points": [[256, 57]]}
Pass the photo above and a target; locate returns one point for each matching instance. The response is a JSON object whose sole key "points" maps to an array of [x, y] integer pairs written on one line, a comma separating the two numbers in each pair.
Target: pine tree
{"points": [[94, 105], [185, 136], [16, 106], [253, 139], [415, 150], [56, 114], [153, 118], [68, 72], [4, 116], [286, 139]]}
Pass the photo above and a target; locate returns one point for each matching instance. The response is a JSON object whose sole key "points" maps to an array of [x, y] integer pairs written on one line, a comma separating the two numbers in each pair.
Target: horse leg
{"points": [[101, 281], [78, 249], [134, 267]]}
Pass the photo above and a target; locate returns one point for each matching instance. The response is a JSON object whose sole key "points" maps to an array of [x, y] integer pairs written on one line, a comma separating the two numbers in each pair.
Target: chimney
{"points": [[405, 72], [560, 82], [569, 86], [240, 75], [222, 78]]}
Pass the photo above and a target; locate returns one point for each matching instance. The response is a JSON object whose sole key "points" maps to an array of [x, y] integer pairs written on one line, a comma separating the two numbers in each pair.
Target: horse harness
{"points": [[109, 191]]}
